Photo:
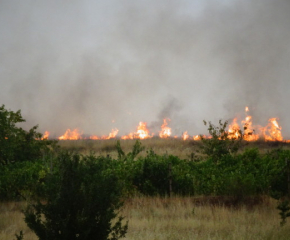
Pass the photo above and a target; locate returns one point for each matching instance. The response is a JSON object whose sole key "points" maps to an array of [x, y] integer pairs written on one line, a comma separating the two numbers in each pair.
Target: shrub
{"points": [[17, 144], [82, 199], [219, 144]]}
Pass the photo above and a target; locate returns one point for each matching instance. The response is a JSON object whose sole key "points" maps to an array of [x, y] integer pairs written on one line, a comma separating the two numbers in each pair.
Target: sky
{"points": [[98, 65]]}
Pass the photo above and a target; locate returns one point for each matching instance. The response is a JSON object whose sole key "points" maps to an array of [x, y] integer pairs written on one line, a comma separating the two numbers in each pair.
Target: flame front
{"points": [[248, 128], [234, 130], [71, 135], [185, 135], [141, 133], [165, 131], [45, 135], [271, 132]]}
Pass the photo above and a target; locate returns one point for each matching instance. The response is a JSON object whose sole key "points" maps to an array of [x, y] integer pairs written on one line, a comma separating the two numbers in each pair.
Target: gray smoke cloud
{"points": [[97, 65]]}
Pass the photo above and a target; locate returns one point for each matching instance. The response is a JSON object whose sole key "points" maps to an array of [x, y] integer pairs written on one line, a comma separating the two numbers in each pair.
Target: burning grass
{"points": [[177, 218]]}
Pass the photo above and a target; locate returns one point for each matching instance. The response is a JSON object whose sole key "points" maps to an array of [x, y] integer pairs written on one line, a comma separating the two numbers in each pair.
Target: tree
{"points": [[82, 199], [219, 144], [18, 145]]}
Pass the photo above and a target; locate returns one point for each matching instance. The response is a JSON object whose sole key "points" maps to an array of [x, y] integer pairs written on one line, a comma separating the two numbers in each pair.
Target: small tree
{"points": [[17, 144], [219, 144], [82, 199]]}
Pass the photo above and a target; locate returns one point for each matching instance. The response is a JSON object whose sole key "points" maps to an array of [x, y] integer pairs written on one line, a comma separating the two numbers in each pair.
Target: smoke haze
{"points": [[97, 65]]}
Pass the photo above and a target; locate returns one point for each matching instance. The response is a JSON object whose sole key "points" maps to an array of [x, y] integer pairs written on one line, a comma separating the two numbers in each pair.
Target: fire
{"points": [[112, 134], [71, 135], [142, 130], [272, 132], [45, 135], [165, 131], [141, 133], [185, 135], [196, 137], [248, 128], [234, 130]]}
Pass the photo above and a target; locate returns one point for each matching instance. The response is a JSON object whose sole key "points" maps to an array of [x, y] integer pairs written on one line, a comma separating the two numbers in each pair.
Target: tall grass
{"points": [[178, 147], [176, 218]]}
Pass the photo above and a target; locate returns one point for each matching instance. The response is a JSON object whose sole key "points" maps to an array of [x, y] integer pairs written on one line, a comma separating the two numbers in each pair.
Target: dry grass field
{"points": [[178, 147], [176, 218]]}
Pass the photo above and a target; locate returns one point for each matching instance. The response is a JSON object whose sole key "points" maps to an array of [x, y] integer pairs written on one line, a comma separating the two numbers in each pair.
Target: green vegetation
{"points": [[82, 196]]}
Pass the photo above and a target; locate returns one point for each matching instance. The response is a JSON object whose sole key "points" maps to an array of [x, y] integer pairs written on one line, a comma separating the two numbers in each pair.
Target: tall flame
{"points": [[45, 135], [272, 132], [234, 130], [185, 135], [248, 128], [141, 133], [165, 131]]}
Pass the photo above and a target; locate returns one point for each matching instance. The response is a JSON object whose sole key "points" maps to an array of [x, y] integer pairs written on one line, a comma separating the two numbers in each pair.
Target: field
{"points": [[177, 217], [183, 149]]}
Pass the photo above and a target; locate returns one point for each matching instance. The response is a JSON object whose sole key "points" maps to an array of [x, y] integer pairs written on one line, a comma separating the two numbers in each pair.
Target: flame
{"points": [[185, 135], [272, 132], [113, 133], [71, 135], [196, 137], [248, 128], [234, 130], [141, 133], [142, 130], [45, 135], [165, 131]]}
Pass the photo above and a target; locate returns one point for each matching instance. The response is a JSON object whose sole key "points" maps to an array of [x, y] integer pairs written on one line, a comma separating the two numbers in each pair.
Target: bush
{"points": [[81, 199], [220, 143], [18, 145]]}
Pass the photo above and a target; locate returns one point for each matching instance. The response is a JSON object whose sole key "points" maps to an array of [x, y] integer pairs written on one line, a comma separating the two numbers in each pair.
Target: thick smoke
{"points": [[97, 65]]}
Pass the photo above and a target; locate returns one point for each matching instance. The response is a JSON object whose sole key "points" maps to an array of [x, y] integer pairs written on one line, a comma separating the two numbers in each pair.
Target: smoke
{"points": [[97, 65]]}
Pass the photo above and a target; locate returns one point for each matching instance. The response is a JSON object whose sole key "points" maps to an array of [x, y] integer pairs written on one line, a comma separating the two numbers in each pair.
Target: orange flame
{"points": [[185, 135], [248, 128], [196, 137], [141, 133], [165, 131], [272, 132], [45, 135], [71, 135], [234, 130]]}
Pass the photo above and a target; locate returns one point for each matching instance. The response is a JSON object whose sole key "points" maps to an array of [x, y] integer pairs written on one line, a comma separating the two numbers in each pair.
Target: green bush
{"points": [[81, 201], [18, 145]]}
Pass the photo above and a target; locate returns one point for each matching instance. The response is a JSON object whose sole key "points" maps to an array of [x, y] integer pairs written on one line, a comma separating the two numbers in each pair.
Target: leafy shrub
{"points": [[219, 144], [81, 201], [18, 145]]}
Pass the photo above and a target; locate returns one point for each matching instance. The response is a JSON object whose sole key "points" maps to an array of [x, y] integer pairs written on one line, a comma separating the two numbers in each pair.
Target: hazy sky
{"points": [[82, 64]]}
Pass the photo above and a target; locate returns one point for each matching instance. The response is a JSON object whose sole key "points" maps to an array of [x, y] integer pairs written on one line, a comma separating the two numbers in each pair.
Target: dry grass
{"points": [[178, 147], [176, 218], [181, 218]]}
